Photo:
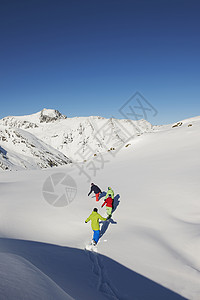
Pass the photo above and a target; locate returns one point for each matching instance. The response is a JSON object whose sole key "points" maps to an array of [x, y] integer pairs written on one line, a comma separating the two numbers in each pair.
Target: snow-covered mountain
{"points": [[48, 138], [23, 150], [148, 250]]}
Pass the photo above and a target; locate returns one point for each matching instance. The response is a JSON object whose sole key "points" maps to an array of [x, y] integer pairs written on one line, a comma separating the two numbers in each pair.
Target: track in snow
{"points": [[104, 285]]}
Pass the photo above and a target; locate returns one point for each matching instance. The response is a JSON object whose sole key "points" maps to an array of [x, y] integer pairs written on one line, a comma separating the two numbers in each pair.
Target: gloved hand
{"points": [[101, 205], [88, 195], [85, 222]]}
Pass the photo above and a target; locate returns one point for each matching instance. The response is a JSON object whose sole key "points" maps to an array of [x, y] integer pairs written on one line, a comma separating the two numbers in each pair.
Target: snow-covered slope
{"points": [[154, 230], [20, 149], [19, 279], [77, 138], [184, 123]]}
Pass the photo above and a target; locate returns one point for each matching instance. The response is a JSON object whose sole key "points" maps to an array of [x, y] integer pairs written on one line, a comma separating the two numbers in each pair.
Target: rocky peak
{"points": [[50, 115]]}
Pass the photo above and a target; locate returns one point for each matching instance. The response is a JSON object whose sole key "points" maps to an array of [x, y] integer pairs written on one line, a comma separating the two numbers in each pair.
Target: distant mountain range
{"points": [[48, 138]]}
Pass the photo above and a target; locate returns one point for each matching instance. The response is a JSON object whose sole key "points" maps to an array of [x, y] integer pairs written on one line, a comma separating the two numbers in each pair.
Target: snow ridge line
{"points": [[104, 285]]}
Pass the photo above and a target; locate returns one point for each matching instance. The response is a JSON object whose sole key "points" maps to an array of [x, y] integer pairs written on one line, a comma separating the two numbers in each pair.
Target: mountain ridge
{"points": [[48, 138]]}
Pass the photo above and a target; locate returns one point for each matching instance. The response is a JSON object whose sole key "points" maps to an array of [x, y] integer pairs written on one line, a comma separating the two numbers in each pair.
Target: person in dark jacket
{"points": [[96, 190]]}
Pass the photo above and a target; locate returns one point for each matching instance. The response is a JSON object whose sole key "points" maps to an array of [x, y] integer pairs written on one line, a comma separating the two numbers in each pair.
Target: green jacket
{"points": [[110, 192], [94, 217]]}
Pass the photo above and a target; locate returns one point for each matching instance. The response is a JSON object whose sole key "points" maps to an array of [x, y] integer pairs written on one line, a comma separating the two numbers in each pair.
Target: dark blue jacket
{"points": [[95, 189]]}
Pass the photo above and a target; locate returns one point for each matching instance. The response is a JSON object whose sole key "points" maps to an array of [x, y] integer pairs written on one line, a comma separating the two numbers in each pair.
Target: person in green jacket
{"points": [[94, 218], [110, 192]]}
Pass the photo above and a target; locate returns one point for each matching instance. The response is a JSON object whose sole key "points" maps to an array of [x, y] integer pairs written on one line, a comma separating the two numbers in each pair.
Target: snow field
{"points": [[154, 230]]}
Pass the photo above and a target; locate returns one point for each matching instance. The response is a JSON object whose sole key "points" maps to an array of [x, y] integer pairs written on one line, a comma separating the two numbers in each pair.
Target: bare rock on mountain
{"points": [[50, 115]]}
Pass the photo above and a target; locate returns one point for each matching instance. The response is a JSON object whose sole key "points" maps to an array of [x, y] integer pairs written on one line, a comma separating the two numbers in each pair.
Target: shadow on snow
{"points": [[115, 202], [87, 275], [3, 152], [105, 226]]}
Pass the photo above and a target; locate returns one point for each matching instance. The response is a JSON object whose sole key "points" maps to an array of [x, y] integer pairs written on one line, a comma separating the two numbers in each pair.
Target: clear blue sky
{"points": [[89, 57]]}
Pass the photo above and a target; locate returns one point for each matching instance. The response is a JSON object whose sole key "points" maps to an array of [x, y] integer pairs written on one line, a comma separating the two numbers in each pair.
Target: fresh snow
{"points": [[148, 250]]}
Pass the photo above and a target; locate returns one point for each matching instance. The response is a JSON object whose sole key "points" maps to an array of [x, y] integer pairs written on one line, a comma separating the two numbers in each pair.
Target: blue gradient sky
{"points": [[89, 57]]}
